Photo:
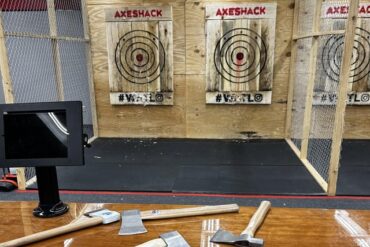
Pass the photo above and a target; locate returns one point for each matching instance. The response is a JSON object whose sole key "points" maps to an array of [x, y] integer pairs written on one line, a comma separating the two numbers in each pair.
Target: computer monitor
{"points": [[42, 135]]}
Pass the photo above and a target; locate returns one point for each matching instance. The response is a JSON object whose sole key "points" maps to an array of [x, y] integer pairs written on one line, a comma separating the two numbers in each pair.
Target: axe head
{"points": [[174, 239], [107, 215], [131, 223], [225, 237]]}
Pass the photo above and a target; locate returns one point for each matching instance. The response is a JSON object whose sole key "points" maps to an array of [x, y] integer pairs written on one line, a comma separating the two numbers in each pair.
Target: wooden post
{"points": [[311, 82], [8, 90], [342, 97], [293, 58], [4, 66], [55, 49], [89, 68]]}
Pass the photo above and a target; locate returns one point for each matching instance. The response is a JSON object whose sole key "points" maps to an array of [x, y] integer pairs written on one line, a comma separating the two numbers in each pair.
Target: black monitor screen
{"points": [[36, 135], [41, 134]]}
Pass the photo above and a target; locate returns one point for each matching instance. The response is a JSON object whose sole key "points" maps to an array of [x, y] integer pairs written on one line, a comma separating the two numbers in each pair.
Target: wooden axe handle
{"points": [[257, 218], [184, 212], [53, 232], [154, 243]]}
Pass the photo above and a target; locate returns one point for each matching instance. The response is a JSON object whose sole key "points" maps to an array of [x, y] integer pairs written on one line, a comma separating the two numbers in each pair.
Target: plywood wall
{"points": [[190, 116]]}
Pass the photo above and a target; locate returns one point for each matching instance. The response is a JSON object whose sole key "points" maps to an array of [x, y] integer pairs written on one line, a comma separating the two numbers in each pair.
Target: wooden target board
{"points": [[240, 45], [140, 55], [333, 16]]}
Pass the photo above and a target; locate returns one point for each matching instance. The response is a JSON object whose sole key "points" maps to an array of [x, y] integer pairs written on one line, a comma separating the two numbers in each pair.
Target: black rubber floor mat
{"points": [[185, 165], [246, 180], [194, 152], [355, 153], [354, 180]]}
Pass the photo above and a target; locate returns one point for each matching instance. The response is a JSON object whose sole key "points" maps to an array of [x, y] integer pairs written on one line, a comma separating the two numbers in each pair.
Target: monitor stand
{"points": [[50, 204]]}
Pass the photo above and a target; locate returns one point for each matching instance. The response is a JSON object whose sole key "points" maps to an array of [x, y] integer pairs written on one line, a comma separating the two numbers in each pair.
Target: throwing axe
{"points": [[169, 239], [247, 236]]}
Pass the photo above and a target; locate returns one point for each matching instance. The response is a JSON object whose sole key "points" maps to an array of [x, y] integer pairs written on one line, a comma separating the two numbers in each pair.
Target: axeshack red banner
{"points": [[138, 14], [340, 10], [241, 11]]}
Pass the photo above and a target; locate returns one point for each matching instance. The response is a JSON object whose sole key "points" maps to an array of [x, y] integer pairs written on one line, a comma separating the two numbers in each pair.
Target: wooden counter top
{"points": [[282, 227]]}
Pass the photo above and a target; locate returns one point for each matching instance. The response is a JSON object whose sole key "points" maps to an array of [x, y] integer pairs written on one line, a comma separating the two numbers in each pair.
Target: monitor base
{"points": [[48, 211]]}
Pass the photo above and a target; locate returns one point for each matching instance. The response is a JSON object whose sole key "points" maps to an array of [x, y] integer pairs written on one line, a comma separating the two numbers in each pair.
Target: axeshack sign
{"points": [[138, 14], [340, 10], [241, 11]]}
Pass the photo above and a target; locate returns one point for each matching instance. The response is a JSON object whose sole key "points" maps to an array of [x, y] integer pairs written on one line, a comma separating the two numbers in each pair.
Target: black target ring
{"points": [[332, 56], [140, 73], [240, 55], [140, 57]]}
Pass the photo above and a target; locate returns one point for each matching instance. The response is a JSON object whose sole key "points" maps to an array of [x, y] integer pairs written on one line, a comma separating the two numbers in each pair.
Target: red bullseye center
{"points": [[240, 56], [139, 57]]}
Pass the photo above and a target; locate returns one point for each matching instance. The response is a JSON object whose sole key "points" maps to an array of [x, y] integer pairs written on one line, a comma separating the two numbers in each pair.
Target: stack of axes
{"points": [[132, 224]]}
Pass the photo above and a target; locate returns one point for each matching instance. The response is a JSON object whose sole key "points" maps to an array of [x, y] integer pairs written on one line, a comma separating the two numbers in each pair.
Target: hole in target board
{"points": [[240, 56]]}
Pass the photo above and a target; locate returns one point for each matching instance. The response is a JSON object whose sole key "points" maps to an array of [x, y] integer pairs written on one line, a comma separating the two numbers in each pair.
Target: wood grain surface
{"points": [[190, 117], [189, 82], [282, 226]]}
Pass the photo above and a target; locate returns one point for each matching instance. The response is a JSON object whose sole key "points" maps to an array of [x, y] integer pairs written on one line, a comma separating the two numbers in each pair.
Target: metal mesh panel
{"points": [[31, 69], [329, 58], [304, 26], [75, 75], [26, 16], [69, 18], [300, 90], [31, 61], [325, 87], [32, 73]]}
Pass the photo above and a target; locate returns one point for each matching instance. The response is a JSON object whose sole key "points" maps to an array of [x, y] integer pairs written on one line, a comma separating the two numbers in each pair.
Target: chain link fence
{"points": [[319, 42], [47, 51]]}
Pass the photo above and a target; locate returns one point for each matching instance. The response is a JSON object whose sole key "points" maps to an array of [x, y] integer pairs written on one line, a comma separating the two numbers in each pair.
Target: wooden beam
{"points": [[317, 34], [293, 59], [319, 179], [43, 36], [293, 147], [4, 66], [342, 96], [89, 68], [311, 82], [55, 49]]}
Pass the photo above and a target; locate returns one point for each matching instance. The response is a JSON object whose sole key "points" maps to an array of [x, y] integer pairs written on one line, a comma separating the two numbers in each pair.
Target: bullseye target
{"points": [[140, 57], [360, 63], [240, 55]]}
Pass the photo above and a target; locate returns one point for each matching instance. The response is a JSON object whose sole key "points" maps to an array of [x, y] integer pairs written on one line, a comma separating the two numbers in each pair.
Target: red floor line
{"points": [[203, 195]]}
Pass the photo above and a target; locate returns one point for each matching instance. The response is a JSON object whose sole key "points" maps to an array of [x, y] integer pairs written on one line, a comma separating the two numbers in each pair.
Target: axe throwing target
{"points": [[332, 56], [331, 47], [140, 55], [240, 53]]}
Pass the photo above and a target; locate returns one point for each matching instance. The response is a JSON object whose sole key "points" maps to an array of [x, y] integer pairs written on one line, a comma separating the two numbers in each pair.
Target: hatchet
{"points": [[105, 216], [132, 219], [101, 216], [247, 236], [169, 239]]}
